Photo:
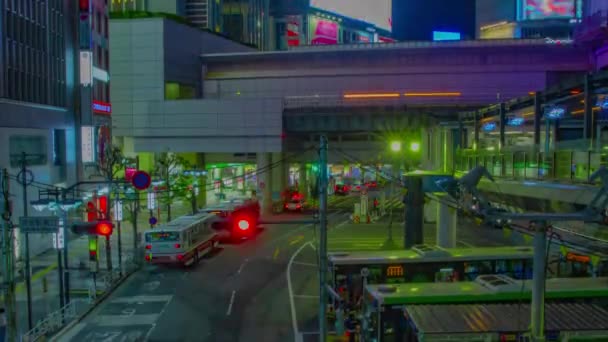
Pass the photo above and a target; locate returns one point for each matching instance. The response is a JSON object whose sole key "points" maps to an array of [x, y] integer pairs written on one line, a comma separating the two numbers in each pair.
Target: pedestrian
{"points": [[376, 204]]}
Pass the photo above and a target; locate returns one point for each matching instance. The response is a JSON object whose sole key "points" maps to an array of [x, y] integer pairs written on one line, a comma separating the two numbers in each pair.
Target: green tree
{"points": [[168, 167]]}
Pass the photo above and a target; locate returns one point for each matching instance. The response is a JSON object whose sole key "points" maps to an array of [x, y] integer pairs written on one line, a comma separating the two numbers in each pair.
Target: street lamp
{"points": [[415, 147], [396, 146]]}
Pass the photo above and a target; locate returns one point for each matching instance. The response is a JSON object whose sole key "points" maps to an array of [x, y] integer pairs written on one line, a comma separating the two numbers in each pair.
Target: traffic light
{"points": [[92, 248], [103, 228]]}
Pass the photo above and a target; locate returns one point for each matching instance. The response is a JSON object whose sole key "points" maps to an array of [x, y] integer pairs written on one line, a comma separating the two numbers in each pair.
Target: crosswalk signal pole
{"points": [[323, 239]]}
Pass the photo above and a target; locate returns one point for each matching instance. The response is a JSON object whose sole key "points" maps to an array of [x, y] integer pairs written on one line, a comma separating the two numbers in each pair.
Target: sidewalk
{"points": [[45, 278]]}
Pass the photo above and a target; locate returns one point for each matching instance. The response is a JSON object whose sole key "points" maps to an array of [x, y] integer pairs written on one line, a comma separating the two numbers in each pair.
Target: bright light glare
{"points": [[243, 224], [396, 146], [415, 147]]}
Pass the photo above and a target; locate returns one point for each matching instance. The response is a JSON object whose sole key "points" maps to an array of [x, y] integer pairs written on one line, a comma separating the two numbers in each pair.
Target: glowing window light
{"points": [[433, 94], [372, 96]]}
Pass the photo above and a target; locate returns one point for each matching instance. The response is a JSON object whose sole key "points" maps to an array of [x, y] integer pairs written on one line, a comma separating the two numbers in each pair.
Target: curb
{"points": [[68, 327]]}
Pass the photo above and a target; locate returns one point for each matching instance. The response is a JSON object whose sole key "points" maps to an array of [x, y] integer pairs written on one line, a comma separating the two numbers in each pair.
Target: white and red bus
{"points": [[181, 241]]}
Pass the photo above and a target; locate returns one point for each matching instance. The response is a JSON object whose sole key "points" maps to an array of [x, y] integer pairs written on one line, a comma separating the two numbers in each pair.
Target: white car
{"points": [[294, 205]]}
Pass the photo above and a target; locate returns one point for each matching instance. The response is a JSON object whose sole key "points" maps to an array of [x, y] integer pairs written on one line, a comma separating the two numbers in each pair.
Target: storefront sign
{"points": [[88, 148], [102, 107]]}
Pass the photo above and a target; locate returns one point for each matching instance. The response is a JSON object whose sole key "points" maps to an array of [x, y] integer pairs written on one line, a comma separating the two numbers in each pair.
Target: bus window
{"points": [[162, 237], [473, 269]]}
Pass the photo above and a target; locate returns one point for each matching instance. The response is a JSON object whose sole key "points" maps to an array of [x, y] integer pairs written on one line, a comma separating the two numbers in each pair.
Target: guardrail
{"points": [[56, 320], [565, 165]]}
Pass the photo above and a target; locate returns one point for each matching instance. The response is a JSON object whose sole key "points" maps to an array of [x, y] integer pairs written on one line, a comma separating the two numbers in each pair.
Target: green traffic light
{"points": [[415, 147], [396, 146]]}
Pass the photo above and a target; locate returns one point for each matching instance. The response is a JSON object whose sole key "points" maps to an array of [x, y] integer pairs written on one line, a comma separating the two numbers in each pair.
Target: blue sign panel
{"points": [[443, 35], [489, 127]]}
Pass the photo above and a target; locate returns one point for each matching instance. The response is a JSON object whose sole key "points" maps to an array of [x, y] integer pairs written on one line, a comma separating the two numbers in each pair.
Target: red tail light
{"points": [[180, 257], [299, 206], [148, 246], [148, 257], [243, 224], [177, 245], [286, 206]]}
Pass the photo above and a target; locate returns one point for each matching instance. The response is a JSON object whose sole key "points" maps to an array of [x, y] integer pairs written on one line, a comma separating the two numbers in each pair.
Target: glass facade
{"points": [[34, 52]]}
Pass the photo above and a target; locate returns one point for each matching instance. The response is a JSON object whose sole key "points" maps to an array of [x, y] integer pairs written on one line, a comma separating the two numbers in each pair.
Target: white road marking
{"points": [[307, 296], [305, 264], [142, 299], [229, 311], [294, 319], [242, 266], [119, 320]]}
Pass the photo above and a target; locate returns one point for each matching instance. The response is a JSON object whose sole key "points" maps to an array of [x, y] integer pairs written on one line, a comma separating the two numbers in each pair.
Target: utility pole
{"points": [[538, 281], [8, 263], [66, 264], [323, 239], [28, 280], [59, 263], [118, 219]]}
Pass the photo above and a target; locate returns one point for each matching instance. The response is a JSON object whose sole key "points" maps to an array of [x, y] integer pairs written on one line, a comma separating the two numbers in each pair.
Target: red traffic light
{"points": [[84, 5], [243, 224], [104, 228]]}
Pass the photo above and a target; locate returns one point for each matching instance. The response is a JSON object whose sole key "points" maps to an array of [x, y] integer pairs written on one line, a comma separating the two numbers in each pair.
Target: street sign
{"points": [[118, 210], [39, 224], [58, 237], [141, 180], [152, 220], [151, 201], [365, 272]]}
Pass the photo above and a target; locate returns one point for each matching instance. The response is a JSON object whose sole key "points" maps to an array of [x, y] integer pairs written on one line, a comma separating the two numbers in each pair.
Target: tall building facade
{"points": [[94, 87], [38, 76], [245, 21], [552, 19]]}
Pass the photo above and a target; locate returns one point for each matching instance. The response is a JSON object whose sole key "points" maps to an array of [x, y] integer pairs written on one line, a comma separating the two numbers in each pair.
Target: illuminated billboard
{"points": [[375, 12], [546, 9], [323, 32]]}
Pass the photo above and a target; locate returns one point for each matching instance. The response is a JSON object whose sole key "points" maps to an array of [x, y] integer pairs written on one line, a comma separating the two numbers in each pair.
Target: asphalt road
{"points": [[238, 294], [259, 290]]}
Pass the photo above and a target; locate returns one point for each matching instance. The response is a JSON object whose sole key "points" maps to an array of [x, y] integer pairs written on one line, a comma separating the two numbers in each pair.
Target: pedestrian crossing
{"points": [[122, 319]]}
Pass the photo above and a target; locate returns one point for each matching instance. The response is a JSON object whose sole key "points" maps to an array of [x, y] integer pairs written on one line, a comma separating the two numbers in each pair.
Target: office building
{"points": [[38, 79], [245, 21]]}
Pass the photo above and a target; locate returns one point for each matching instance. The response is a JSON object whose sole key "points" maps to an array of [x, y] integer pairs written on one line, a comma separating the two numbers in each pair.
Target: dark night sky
{"points": [[417, 19]]}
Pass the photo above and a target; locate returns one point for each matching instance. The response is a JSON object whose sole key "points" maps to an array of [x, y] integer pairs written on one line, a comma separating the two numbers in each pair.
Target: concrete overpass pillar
{"points": [[447, 219], [264, 173]]}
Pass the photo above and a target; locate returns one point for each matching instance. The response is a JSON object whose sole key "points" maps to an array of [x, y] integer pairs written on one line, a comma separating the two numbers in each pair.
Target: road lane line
{"points": [[144, 298], [294, 319], [242, 266], [296, 240], [229, 311], [305, 264], [306, 296], [276, 253]]}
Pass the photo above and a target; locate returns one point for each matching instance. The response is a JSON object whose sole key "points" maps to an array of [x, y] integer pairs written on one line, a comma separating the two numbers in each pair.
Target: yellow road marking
{"points": [[296, 240], [276, 254]]}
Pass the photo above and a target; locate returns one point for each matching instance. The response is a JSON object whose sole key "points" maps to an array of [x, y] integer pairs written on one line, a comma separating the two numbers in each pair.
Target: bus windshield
{"points": [[162, 237]]}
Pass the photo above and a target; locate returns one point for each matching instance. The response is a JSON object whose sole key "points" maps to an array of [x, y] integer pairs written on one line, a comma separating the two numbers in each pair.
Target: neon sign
{"points": [[490, 126], [102, 107], [515, 122], [555, 112]]}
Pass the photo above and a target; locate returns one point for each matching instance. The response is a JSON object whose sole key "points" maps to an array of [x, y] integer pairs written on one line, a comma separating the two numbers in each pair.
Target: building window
{"points": [[33, 145]]}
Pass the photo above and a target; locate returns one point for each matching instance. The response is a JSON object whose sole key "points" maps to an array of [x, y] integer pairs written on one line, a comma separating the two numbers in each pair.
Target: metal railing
{"points": [[55, 321], [562, 166]]}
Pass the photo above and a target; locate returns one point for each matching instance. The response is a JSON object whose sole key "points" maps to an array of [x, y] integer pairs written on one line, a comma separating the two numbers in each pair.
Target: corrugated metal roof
{"points": [[441, 319]]}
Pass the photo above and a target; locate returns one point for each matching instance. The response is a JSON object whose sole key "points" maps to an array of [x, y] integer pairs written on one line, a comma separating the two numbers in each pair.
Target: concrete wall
{"points": [[182, 56], [137, 59], [237, 126]]}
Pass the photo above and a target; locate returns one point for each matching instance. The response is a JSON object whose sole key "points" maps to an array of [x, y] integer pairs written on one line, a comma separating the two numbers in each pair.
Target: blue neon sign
{"points": [[515, 122], [489, 127], [555, 112], [443, 35]]}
